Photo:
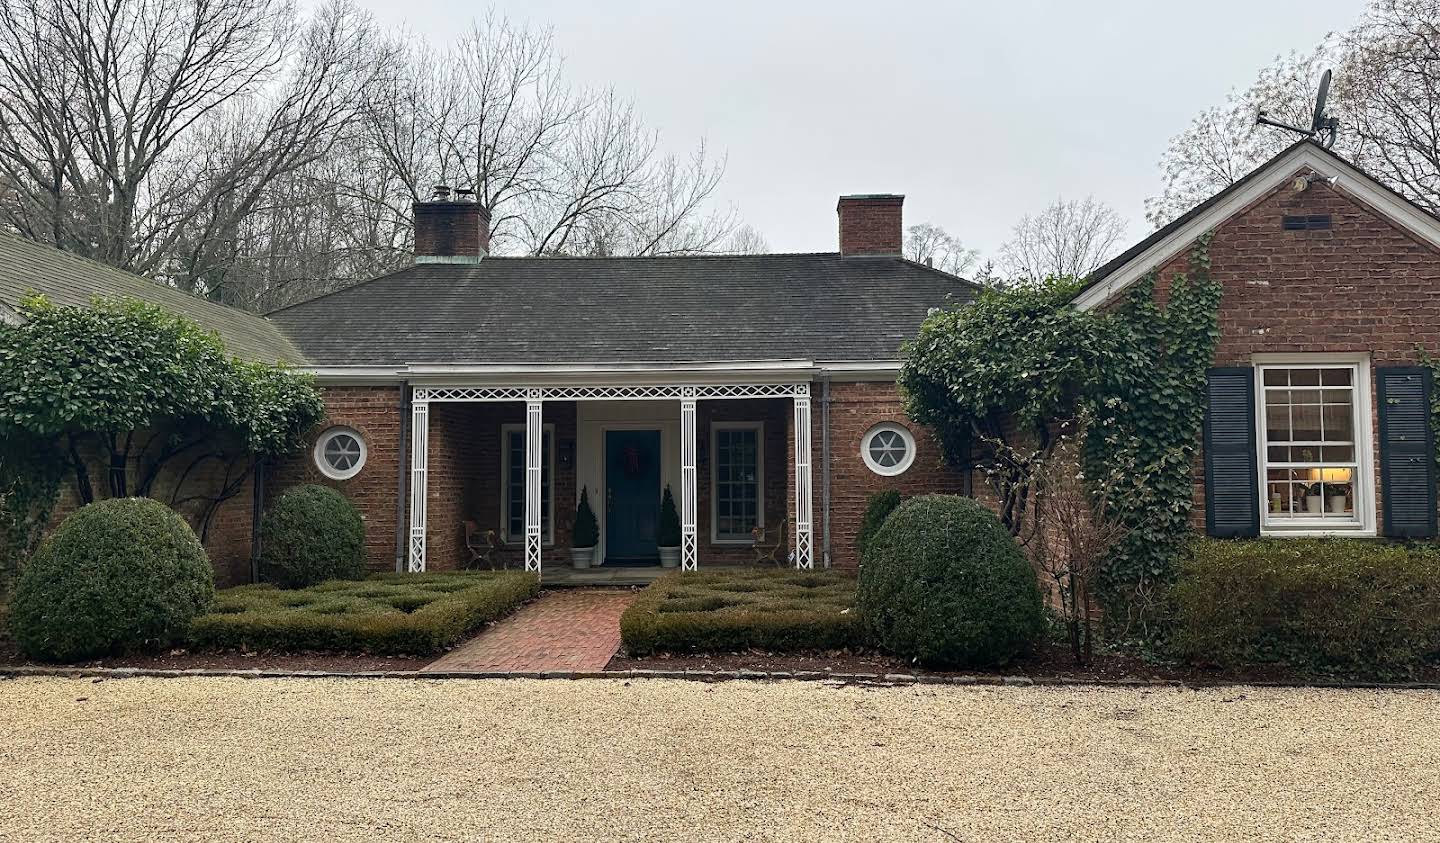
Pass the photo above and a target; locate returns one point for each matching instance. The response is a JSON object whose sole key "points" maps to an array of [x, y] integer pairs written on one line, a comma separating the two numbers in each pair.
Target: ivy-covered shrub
{"points": [[946, 585], [312, 534], [150, 394], [119, 575], [877, 509], [1350, 606]]}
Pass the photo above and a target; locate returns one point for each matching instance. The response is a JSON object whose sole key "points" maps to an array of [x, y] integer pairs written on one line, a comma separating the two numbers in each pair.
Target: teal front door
{"points": [[632, 495]]}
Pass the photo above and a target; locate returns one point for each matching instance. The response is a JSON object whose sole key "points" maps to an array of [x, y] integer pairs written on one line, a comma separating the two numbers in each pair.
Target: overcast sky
{"points": [[978, 112]]}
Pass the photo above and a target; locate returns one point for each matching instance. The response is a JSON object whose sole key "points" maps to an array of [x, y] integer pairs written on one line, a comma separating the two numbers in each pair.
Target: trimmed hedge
{"points": [[387, 614], [312, 534], [944, 584], [118, 575], [731, 610], [1352, 606], [877, 508]]}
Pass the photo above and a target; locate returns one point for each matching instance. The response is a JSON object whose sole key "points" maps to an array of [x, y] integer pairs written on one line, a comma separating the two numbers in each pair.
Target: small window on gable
{"points": [[1306, 222]]}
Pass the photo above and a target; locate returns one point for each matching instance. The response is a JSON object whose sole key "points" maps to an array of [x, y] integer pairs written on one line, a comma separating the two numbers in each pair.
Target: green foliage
{"points": [[587, 529], [1430, 362], [1145, 435], [743, 609], [1001, 375], [667, 534], [100, 374], [387, 614], [946, 585], [116, 576], [877, 509], [1352, 606], [312, 534]]}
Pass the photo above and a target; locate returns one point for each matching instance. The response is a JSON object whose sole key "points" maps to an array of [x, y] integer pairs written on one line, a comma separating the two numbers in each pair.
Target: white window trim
{"points": [[715, 428], [319, 452], [1363, 484], [893, 470], [505, 431]]}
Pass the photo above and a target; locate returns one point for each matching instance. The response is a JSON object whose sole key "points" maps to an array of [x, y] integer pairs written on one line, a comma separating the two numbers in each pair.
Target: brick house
{"points": [[759, 389], [1318, 418]]}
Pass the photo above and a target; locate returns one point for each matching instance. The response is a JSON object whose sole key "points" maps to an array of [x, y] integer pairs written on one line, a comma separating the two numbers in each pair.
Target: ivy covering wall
{"points": [[1000, 378]]}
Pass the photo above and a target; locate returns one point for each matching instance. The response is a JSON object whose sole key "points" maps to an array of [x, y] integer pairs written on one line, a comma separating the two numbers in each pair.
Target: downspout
{"points": [[825, 465], [402, 527], [257, 506]]}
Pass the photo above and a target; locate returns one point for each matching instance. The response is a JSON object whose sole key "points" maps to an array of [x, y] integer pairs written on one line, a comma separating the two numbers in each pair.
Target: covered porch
{"points": [[513, 459]]}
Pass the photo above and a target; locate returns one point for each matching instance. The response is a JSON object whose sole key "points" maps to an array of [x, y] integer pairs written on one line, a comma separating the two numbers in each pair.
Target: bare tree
{"points": [[1069, 238], [747, 240], [932, 245], [1386, 95], [143, 132]]}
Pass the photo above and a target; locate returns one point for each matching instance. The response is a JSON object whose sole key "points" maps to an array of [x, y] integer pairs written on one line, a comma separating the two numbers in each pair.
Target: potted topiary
{"points": [[1338, 495], [1314, 502], [667, 535], [587, 533]]}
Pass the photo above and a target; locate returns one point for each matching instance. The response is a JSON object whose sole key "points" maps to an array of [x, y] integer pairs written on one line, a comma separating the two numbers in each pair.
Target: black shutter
{"points": [[1232, 481], [1407, 451]]}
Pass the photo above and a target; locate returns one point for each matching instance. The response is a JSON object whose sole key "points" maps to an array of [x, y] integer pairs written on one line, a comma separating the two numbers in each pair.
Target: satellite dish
{"points": [[1322, 129]]}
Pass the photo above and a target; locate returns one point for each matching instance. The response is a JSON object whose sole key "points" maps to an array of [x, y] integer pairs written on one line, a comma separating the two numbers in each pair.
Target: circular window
{"points": [[888, 449], [340, 453]]}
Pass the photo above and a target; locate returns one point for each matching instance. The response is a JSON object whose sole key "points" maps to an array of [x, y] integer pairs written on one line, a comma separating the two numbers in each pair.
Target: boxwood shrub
{"points": [[944, 584], [877, 509], [312, 534], [1351, 606], [387, 614], [118, 575], [725, 611]]}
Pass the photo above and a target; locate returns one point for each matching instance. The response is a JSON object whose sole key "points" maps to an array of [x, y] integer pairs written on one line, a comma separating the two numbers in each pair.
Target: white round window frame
{"points": [[324, 465], [891, 470]]}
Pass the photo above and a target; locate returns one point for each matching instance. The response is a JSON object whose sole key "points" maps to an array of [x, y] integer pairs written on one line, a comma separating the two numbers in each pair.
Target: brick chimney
{"points": [[870, 224], [451, 230]]}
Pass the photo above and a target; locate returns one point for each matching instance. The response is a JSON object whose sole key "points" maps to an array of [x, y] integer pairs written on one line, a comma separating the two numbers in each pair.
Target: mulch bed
{"points": [[1049, 662], [183, 660]]}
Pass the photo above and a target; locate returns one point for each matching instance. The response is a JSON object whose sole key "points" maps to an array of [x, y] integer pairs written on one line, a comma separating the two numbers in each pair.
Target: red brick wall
{"points": [[444, 229], [870, 225], [375, 412], [1365, 285], [854, 409], [775, 414]]}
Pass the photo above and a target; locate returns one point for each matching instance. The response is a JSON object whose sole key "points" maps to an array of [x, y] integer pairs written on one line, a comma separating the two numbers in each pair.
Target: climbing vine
{"points": [[1149, 415], [1002, 378]]}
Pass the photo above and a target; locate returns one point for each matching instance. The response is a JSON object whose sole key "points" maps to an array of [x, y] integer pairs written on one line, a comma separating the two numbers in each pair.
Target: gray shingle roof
{"points": [[27, 267], [625, 310]]}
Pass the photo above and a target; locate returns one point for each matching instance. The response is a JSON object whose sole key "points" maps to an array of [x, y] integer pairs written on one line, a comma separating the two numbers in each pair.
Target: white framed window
{"points": [[737, 480], [512, 482], [888, 449], [1316, 444], [340, 453]]}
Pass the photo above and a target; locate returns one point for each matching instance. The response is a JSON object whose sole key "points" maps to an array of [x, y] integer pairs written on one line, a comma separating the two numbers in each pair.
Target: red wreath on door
{"points": [[634, 460]]}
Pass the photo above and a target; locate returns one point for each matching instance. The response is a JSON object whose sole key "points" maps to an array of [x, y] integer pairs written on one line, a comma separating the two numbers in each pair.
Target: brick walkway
{"points": [[574, 629]]}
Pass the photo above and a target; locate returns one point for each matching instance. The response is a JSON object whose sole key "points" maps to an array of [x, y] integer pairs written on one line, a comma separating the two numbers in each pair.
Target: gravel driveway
{"points": [[333, 760]]}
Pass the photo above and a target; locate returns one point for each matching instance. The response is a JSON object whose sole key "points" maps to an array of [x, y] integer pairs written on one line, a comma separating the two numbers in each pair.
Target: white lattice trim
{"points": [[431, 394]]}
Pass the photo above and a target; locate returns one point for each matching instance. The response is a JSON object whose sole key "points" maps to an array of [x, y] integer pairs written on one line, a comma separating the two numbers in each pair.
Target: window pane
{"points": [[1339, 423], [1277, 377], [1277, 419], [1304, 377], [1335, 377], [737, 486]]}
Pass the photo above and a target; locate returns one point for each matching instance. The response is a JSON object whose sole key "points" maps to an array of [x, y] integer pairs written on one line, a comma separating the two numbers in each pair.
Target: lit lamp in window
{"points": [[1335, 490]]}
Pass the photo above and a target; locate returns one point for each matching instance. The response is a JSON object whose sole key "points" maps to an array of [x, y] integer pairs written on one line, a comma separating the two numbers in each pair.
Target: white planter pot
{"points": [[1337, 503], [581, 557], [1314, 504], [669, 557]]}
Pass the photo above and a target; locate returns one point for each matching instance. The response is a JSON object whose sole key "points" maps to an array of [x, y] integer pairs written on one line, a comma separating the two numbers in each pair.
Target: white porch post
{"points": [[534, 450], [804, 552], [688, 561], [419, 448]]}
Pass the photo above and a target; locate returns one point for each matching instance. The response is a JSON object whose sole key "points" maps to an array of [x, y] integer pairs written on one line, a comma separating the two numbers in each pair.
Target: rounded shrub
{"points": [[943, 583], [877, 508], [311, 534], [119, 575]]}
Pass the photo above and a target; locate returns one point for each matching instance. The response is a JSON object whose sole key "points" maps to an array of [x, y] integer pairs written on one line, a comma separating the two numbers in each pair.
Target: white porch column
{"points": [[534, 451], [688, 559], [419, 448], [804, 540]]}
